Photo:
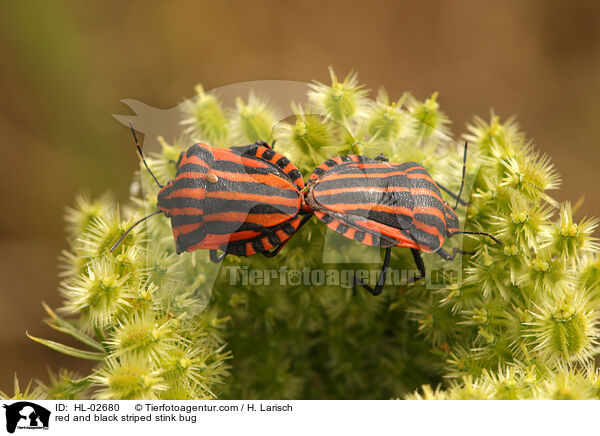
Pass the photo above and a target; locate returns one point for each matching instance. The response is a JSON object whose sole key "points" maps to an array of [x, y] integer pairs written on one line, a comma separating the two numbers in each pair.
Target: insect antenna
{"points": [[462, 182], [483, 234], [139, 148], [131, 228]]}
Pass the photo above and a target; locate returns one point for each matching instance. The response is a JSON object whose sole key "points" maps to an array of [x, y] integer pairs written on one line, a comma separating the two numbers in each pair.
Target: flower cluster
{"points": [[511, 321]]}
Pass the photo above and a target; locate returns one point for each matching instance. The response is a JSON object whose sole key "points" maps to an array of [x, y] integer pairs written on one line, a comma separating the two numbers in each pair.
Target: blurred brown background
{"points": [[64, 66]]}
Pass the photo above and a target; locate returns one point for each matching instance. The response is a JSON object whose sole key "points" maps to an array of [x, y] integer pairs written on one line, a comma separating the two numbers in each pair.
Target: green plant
{"points": [[517, 321]]}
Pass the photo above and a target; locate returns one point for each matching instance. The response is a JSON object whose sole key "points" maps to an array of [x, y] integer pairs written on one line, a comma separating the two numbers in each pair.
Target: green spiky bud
{"points": [[206, 119], [102, 293], [341, 100], [429, 120], [564, 329], [253, 121], [127, 378]]}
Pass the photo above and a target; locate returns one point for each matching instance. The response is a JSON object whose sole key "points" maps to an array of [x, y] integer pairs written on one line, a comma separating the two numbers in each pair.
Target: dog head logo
{"points": [[26, 415]]}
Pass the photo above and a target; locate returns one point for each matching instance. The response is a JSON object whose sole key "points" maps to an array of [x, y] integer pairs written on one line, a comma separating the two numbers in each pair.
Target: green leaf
{"points": [[63, 326], [65, 349]]}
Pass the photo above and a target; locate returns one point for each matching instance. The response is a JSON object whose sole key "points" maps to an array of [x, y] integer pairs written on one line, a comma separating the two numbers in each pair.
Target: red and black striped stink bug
{"points": [[241, 200], [386, 204]]}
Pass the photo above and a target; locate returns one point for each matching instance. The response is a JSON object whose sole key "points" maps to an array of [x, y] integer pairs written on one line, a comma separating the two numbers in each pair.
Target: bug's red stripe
{"points": [[191, 175], [267, 179], [428, 210], [427, 192], [188, 211], [194, 160], [272, 200], [219, 241], [350, 233], [186, 228], [396, 210], [260, 151], [428, 229], [264, 220], [391, 232], [368, 239], [196, 193]]}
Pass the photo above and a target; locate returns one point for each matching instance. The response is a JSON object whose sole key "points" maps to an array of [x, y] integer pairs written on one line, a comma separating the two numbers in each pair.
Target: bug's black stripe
{"points": [[274, 239], [413, 167], [318, 172], [187, 182], [235, 168], [326, 219], [427, 200], [236, 249], [362, 182], [221, 205], [191, 168], [221, 227], [425, 239], [256, 188], [258, 246], [283, 162], [224, 227], [201, 152], [239, 168], [182, 220], [359, 235], [342, 228], [183, 202], [192, 238], [228, 227], [288, 228], [424, 183], [366, 198], [397, 221], [430, 220], [248, 150], [268, 154], [295, 175], [359, 168]]}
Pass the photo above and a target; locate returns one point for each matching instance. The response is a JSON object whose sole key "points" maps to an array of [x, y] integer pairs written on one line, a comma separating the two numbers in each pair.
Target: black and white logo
{"points": [[26, 415]]}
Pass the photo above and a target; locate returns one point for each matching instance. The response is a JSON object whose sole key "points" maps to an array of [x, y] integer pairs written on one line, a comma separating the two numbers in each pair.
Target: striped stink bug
{"points": [[386, 204], [241, 200]]}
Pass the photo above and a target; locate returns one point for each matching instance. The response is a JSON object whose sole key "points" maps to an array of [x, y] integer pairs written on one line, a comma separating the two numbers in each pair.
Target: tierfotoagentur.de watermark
{"points": [[345, 278]]}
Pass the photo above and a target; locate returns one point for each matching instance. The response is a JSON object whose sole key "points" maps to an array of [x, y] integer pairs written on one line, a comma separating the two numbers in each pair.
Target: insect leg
{"points": [[277, 249], [449, 256], [382, 275], [420, 265], [216, 258], [381, 157]]}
